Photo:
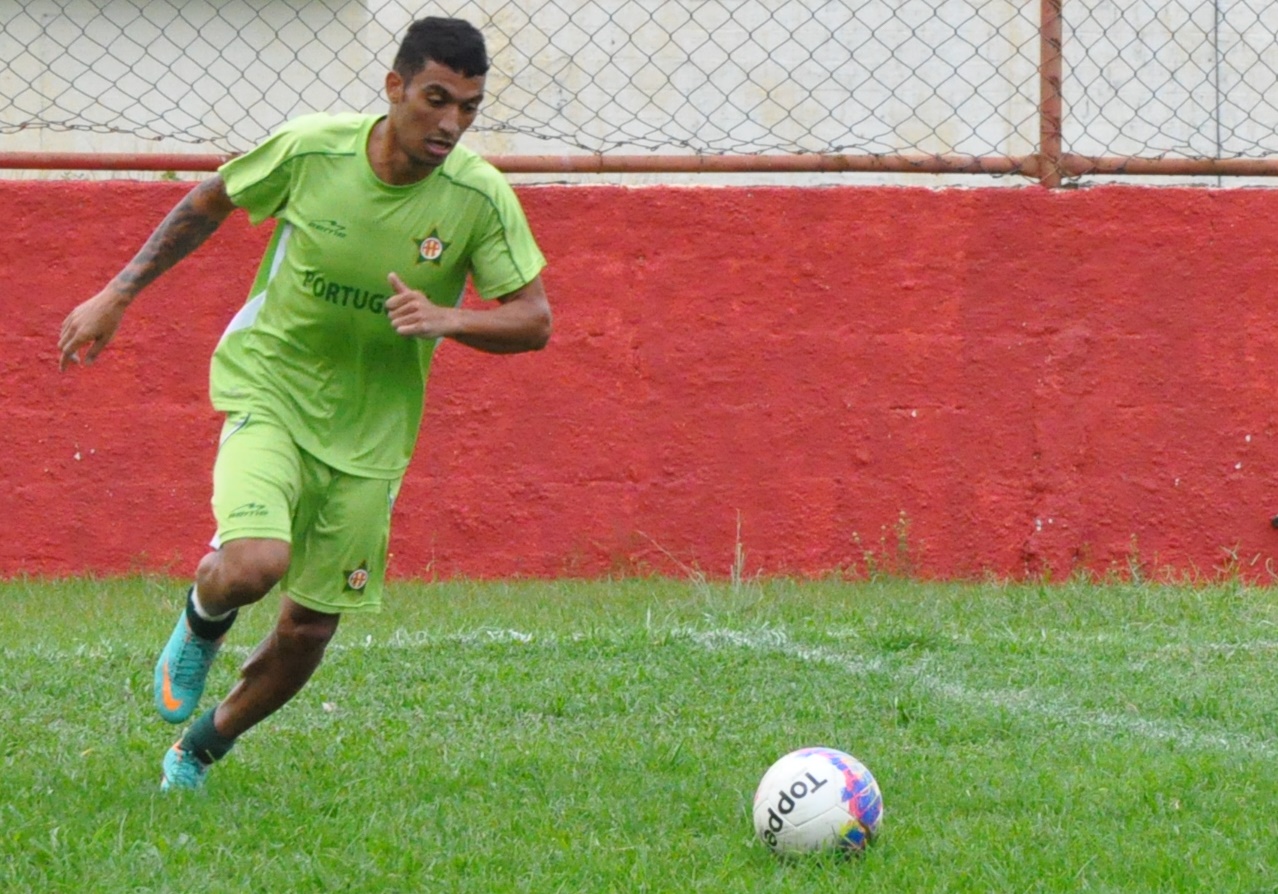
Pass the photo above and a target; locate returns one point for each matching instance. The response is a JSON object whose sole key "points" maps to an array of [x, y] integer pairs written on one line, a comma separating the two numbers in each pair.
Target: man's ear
{"points": [[394, 86]]}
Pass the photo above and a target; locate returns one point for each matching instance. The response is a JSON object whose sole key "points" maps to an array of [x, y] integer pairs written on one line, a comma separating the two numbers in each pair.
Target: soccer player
{"points": [[321, 374]]}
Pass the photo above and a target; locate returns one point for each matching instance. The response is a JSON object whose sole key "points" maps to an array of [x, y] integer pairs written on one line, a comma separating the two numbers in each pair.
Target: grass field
{"points": [[607, 737]]}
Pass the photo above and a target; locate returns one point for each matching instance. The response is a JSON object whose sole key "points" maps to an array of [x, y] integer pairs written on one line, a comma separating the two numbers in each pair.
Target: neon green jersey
{"points": [[313, 345]]}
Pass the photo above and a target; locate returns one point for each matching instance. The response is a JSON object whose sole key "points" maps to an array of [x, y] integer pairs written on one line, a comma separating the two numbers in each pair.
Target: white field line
{"points": [[1115, 639], [1018, 701]]}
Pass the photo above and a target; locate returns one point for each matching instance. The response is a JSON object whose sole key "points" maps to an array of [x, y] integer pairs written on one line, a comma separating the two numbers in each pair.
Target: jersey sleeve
{"points": [[259, 181], [506, 256]]}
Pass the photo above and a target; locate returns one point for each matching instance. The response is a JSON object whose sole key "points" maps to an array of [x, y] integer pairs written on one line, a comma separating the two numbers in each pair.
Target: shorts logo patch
{"points": [[358, 579]]}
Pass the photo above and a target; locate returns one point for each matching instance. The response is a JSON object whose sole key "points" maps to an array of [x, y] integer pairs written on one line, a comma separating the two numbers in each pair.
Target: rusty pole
{"points": [[573, 164], [1049, 93]]}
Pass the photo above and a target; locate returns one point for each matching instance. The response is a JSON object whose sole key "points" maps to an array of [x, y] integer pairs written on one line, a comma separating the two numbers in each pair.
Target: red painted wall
{"points": [[959, 382]]}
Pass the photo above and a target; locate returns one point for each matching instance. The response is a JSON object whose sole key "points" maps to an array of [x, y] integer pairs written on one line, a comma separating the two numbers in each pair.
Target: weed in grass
{"points": [[892, 558]]}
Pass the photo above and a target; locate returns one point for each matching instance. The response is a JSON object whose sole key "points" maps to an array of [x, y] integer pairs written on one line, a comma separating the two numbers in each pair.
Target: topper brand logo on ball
{"points": [[817, 799]]}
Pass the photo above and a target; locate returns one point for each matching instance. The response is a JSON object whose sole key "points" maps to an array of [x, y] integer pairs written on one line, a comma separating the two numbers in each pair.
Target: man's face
{"points": [[431, 112]]}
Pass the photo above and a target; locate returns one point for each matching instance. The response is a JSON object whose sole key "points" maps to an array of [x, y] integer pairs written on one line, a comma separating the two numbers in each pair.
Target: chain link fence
{"points": [[1178, 77], [1145, 79]]}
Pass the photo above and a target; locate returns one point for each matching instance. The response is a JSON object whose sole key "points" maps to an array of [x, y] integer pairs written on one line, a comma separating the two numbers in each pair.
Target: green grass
{"points": [[607, 737]]}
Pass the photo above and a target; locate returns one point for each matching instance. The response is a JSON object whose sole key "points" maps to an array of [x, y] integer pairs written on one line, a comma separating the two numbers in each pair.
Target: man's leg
{"points": [[276, 671], [257, 483], [278, 668], [337, 565], [238, 574]]}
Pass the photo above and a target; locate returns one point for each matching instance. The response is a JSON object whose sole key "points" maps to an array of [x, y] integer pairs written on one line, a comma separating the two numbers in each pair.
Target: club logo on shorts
{"points": [[430, 249], [356, 580]]}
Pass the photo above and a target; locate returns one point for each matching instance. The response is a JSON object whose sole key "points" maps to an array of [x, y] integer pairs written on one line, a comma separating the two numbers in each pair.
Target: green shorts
{"points": [[338, 525]]}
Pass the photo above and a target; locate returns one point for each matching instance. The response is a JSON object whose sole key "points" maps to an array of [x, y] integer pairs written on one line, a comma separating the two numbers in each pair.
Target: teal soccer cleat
{"points": [[181, 671], [182, 770]]}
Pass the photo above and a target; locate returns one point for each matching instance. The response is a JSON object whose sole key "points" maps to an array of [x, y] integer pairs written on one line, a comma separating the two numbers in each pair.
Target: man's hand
{"points": [[92, 323], [414, 315], [519, 322], [190, 222]]}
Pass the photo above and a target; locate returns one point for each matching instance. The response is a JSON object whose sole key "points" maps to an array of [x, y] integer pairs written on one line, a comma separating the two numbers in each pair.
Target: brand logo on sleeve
{"points": [[248, 510], [329, 228], [430, 249]]}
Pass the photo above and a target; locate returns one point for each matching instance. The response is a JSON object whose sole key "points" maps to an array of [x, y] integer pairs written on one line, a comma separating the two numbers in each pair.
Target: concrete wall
{"points": [[957, 382]]}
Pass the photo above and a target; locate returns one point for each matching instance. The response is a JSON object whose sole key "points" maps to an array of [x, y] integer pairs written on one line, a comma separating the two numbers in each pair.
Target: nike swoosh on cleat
{"points": [[166, 690]]}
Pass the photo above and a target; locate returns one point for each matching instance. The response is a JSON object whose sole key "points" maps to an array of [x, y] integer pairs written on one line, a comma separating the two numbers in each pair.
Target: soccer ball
{"points": [[817, 799]]}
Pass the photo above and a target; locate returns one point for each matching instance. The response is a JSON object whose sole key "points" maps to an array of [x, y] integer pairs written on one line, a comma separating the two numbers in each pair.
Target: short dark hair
{"points": [[452, 42]]}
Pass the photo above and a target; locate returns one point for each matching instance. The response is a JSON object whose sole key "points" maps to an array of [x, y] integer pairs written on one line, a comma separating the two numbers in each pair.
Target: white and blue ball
{"points": [[817, 799]]}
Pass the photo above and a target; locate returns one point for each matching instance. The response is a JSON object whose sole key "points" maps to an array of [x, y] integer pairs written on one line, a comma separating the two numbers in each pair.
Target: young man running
{"points": [[321, 374]]}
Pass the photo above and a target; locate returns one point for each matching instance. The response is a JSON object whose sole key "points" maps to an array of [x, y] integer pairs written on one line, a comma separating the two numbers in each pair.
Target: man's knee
{"points": [[304, 630], [249, 568]]}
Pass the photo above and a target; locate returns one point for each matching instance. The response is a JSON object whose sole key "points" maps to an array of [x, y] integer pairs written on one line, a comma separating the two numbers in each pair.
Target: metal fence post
{"points": [[1050, 66]]}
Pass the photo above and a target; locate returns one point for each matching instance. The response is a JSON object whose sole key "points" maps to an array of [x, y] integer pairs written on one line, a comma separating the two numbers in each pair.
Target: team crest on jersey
{"points": [[430, 249], [358, 578]]}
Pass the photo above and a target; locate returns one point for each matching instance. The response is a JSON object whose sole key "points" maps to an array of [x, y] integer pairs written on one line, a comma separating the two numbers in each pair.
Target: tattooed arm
{"points": [[192, 220]]}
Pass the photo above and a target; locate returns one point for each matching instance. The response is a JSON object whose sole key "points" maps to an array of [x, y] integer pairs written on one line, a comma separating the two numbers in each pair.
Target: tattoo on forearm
{"points": [[179, 234]]}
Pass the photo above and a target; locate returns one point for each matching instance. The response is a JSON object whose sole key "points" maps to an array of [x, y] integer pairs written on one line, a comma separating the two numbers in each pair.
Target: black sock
{"points": [[204, 741], [204, 628]]}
